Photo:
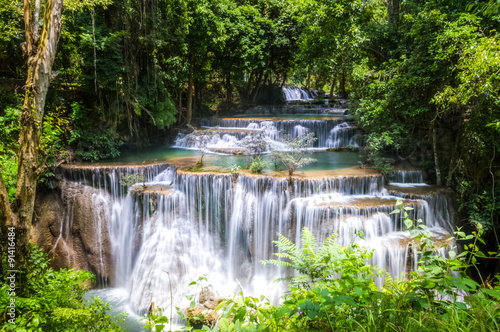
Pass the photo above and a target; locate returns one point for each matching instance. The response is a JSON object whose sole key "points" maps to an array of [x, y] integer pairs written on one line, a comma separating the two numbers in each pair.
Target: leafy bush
{"points": [[294, 155], [258, 165], [374, 151], [9, 133], [131, 179], [234, 169], [318, 101], [53, 137], [335, 290], [255, 143], [49, 300], [92, 144]]}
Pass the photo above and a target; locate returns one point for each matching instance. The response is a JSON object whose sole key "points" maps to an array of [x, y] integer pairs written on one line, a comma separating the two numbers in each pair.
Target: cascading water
{"points": [[172, 227], [295, 94], [229, 133], [407, 177], [341, 135]]}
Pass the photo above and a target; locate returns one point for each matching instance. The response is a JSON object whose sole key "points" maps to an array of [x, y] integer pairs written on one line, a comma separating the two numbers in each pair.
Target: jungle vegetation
{"points": [[82, 80]]}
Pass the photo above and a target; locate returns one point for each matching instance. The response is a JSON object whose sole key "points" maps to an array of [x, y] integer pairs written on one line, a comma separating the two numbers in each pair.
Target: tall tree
{"points": [[393, 11], [40, 50]]}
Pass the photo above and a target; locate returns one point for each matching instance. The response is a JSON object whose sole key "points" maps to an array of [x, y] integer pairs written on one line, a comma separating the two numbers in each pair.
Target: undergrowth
{"points": [[334, 289]]}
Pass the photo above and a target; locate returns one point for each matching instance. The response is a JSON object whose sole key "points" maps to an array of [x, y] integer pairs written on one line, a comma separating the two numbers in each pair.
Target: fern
{"points": [[313, 262]]}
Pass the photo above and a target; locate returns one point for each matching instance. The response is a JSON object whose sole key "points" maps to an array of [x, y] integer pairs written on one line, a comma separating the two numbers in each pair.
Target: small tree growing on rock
{"points": [[294, 154], [255, 143], [200, 139]]}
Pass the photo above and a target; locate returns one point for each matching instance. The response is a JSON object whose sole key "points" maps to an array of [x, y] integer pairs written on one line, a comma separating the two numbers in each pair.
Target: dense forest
{"points": [[88, 80]]}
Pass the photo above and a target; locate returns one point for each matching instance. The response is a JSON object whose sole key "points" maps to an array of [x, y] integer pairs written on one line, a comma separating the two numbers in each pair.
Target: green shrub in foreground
{"points": [[258, 165], [334, 290], [48, 300]]}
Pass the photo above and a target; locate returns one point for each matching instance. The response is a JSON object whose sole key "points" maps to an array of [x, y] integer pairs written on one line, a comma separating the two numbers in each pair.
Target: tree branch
{"points": [[28, 26], [35, 21]]}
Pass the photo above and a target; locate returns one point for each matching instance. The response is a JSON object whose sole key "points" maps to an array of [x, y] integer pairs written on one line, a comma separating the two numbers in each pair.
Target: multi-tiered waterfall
{"points": [[190, 224], [173, 226]]}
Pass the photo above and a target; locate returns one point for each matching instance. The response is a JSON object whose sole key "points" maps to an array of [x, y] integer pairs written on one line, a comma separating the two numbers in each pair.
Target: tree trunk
{"points": [[229, 90], [179, 117], [332, 88], [454, 154], [40, 61], [6, 215], [248, 91], [257, 87], [308, 81], [189, 110], [343, 92], [439, 180], [284, 80], [393, 11]]}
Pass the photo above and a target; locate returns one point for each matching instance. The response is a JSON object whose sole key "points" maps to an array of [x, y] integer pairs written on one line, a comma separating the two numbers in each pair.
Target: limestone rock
{"points": [[209, 298], [64, 228]]}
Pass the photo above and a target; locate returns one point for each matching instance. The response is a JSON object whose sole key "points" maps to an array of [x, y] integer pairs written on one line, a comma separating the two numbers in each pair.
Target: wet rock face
{"points": [[203, 313], [209, 298], [66, 225]]}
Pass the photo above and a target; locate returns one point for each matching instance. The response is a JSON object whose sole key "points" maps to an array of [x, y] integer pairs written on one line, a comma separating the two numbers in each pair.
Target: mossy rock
{"points": [[343, 149]]}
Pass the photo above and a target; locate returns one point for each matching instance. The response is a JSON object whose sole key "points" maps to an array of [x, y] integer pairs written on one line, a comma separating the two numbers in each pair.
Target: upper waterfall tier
{"points": [[407, 176], [228, 133], [297, 110], [293, 93]]}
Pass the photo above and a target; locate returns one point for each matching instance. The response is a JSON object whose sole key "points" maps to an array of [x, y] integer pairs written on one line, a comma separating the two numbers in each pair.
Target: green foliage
{"points": [[156, 321], [480, 207], [375, 150], [349, 300], [49, 300], [234, 169], [54, 135], [318, 101], [258, 165], [318, 265], [244, 313], [428, 90], [92, 145], [348, 148], [9, 132], [9, 14], [294, 155], [131, 179], [80, 5], [335, 290]]}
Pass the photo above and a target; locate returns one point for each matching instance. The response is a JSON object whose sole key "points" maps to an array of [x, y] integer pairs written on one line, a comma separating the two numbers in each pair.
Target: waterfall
{"points": [[341, 135], [229, 132], [294, 94], [174, 226], [407, 176]]}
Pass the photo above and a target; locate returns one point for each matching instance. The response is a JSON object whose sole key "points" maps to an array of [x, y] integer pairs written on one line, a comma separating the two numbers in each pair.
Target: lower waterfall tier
{"points": [[173, 226]]}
